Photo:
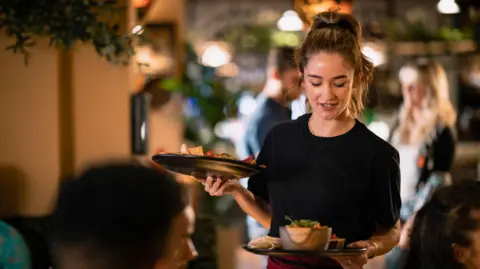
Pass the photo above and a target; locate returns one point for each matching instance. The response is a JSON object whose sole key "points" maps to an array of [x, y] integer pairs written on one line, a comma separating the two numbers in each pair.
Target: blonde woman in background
{"points": [[423, 135]]}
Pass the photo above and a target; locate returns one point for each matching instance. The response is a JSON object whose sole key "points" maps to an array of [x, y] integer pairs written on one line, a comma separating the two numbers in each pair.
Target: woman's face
{"points": [[328, 80], [414, 94], [413, 90]]}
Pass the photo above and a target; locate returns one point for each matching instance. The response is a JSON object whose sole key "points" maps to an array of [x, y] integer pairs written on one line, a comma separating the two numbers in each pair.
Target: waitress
{"points": [[326, 165]]}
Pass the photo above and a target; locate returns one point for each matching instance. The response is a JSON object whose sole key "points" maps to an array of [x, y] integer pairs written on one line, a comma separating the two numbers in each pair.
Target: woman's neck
{"points": [[331, 128]]}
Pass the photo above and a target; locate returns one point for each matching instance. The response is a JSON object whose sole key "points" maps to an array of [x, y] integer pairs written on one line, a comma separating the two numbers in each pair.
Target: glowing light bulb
{"points": [[290, 22], [448, 7]]}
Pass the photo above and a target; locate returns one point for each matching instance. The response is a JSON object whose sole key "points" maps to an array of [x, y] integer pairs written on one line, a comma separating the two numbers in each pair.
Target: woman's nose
{"points": [[325, 91]]}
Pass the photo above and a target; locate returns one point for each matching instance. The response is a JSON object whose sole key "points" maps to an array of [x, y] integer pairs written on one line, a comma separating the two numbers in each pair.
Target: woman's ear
{"points": [[461, 254]]}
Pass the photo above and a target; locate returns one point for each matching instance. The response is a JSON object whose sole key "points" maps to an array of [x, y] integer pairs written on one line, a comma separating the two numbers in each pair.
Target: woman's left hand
{"points": [[356, 262]]}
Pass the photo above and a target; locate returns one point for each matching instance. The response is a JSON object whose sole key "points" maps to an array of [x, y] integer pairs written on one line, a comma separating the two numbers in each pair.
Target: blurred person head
{"points": [[281, 69], [446, 230], [122, 215], [425, 90], [334, 72]]}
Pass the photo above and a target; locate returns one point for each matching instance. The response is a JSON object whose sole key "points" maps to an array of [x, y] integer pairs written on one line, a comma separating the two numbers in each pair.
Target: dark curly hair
{"points": [[443, 222]]}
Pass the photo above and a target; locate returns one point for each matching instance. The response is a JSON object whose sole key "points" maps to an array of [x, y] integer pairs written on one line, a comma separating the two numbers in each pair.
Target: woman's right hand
{"points": [[219, 187], [406, 233]]}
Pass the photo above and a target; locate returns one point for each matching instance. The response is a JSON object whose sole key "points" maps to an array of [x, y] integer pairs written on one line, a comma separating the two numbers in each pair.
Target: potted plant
{"points": [[416, 38], [66, 23]]}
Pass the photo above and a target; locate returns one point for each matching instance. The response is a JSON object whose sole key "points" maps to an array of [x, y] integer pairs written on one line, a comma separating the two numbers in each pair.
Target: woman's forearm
{"points": [[253, 206], [386, 240]]}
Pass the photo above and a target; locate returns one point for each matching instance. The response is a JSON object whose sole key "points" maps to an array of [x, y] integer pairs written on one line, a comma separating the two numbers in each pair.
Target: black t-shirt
{"points": [[348, 182]]}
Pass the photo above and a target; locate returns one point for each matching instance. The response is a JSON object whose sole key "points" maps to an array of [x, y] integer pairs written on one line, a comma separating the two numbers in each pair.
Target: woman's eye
{"points": [[315, 84], [340, 85]]}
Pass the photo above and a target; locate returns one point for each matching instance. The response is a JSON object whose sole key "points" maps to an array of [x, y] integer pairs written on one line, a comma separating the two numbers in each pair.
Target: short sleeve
{"points": [[443, 151], [257, 184], [386, 201], [263, 128]]}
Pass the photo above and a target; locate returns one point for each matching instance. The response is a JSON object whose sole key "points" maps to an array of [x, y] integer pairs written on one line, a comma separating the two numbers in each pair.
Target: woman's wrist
{"points": [[238, 191], [372, 249]]}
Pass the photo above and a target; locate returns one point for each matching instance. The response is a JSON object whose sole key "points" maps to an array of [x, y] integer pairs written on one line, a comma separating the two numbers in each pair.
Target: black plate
{"points": [[203, 166], [346, 252]]}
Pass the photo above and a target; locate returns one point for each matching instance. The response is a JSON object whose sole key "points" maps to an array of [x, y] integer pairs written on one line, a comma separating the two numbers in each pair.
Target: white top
{"points": [[408, 169], [299, 107]]}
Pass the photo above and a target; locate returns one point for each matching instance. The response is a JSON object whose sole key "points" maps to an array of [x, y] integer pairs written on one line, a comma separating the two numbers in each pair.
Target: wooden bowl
{"points": [[297, 238]]}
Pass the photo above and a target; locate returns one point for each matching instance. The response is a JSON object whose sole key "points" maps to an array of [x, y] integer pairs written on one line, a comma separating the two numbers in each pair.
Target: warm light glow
{"points": [[215, 54], [375, 53], [307, 9], [140, 3], [448, 7], [227, 70], [290, 22], [137, 30], [328, 5], [152, 62], [474, 78], [408, 75]]}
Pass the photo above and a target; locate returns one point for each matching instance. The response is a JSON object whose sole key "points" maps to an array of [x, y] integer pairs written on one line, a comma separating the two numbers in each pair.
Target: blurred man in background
{"points": [[273, 103], [273, 107]]}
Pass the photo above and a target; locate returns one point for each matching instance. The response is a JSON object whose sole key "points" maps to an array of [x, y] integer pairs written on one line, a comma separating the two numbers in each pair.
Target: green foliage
{"points": [[411, 31], [249, 38], [418, 31], [259, 38], [451, 34], [65, 23], [214, 103], [291, 39], [201, 87]]}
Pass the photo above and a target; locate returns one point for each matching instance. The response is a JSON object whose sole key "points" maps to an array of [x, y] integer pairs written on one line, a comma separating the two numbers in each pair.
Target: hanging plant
{"points": [[65, 23]]}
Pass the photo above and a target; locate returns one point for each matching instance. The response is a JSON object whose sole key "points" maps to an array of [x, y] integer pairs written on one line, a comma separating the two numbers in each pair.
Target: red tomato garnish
{"points": [[249, 158]]}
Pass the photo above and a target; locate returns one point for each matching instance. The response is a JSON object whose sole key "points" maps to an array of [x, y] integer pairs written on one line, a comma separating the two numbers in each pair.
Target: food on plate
{"points": [[251, 159], [198, 151], [336, 243], [211, 153], [305, 235], [191, 151], [265, 242], [304, 223]]}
